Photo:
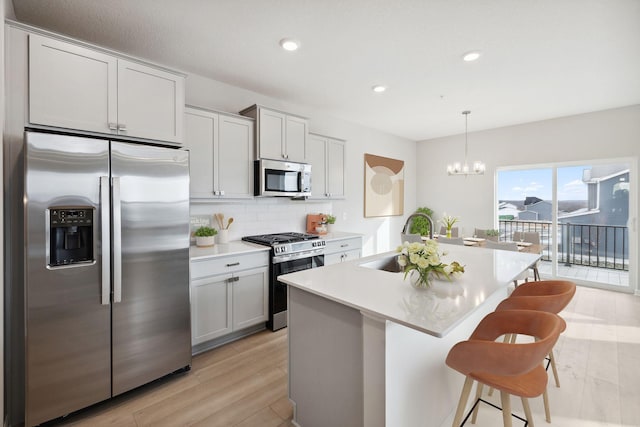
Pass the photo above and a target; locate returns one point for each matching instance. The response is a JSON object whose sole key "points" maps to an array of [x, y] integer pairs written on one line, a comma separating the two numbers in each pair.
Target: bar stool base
{"points": [[526, 423]]}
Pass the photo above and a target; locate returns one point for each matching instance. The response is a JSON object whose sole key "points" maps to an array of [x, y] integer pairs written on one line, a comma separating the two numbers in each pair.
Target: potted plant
{"points": [[493, 235], [419, 224], [330, 220], [205, 236]]}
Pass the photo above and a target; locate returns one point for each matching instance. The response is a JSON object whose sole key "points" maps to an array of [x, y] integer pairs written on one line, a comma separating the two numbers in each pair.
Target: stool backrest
{"points": [[482, 353]]}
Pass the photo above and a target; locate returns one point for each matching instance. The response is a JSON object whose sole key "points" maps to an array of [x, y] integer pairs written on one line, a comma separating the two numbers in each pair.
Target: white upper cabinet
{"points": [[296, 129], [335, 168], [271, 135], [76, 87], [221, 149], [150, 102], [235, 157], [200, 134], [71, 86], [279, 136], [326, 156]]}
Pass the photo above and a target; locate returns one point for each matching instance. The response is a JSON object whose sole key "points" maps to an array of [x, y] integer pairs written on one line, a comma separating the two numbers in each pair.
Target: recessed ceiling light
{"points": [[378, 88], [471, 56], [290, 44]]}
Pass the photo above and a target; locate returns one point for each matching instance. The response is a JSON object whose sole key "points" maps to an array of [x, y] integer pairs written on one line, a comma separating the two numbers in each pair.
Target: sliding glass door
{"points": [[581, 214]]}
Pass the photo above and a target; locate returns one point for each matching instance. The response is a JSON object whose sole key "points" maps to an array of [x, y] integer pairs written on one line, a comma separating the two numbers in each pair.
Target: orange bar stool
{"points": [[513, 368], [551, 296]]}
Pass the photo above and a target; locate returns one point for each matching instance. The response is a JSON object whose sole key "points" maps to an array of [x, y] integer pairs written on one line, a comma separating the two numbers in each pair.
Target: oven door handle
{"points": [[298, 255]]}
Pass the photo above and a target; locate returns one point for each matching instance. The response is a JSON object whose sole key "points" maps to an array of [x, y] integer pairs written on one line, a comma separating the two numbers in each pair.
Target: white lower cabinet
{"points": [[249, 297], [210, 309], [342, 250], [228, 294]]}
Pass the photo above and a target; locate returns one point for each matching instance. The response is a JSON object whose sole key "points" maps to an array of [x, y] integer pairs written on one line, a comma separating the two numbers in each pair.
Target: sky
{"points": [[519, 184]]}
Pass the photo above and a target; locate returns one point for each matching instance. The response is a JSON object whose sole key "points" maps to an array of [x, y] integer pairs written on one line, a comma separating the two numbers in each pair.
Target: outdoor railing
{"points": [[602, 246]]}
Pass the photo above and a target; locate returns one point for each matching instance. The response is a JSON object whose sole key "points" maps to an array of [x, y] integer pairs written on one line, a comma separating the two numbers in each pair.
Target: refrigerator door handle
{"points": [[117, 241], [105, 220]]}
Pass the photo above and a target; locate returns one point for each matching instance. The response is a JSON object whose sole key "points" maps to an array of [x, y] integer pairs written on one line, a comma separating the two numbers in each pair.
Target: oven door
{"points": [[278, 290]]}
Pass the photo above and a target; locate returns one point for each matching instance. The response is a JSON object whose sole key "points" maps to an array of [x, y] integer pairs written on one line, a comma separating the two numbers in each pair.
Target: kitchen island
{"points": [[365, 348]]}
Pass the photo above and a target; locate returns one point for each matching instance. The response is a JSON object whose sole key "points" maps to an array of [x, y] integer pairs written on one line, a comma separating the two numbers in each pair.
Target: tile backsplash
{"points": [[262, 215]]}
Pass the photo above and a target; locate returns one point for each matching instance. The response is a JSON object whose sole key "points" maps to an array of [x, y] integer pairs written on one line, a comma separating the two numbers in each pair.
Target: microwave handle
{"points": [[300, 180]]}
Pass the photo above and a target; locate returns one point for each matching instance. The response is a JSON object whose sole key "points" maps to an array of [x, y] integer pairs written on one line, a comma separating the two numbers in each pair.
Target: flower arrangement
{"points": [[448, 221], [330, 219], [424, 259]]}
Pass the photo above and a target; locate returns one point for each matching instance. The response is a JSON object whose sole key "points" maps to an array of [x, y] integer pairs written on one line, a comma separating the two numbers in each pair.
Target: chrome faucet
{"points": [[406, 225]]}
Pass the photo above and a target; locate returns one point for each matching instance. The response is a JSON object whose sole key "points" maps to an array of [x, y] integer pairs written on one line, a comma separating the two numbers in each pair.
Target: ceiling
{"points": [[540, 59]]}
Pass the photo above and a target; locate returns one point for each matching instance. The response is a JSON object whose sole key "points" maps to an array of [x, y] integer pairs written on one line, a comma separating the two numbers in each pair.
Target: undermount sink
{"points": [[385, 264]]}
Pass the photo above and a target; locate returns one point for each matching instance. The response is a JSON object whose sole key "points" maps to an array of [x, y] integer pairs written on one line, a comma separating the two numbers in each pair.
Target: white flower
{"points": [[448, 269], [413, 258], [402, 260], [422, 263]]}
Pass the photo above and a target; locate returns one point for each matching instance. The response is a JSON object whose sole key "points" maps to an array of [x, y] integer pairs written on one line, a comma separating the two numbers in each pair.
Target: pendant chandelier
{"points": [[463, 169]]}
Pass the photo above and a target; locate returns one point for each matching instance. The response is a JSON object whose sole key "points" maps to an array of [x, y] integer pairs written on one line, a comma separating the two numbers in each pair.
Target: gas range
{"points": [[290, 245], [290, 252]]}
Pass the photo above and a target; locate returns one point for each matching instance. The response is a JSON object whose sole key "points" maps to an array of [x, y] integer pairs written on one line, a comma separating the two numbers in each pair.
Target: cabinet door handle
{"points": [[233, 279], [122, 128], [344, 245], [113, 126], [233, 264], [221, 192]]}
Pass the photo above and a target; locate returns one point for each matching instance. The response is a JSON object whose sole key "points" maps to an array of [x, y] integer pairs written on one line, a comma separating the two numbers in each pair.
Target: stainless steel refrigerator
{"points": [[106, 269]]}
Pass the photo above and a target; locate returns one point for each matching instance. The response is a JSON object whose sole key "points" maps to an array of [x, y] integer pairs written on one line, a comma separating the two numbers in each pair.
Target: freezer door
{"points": [[68, 365], [151, 316]]}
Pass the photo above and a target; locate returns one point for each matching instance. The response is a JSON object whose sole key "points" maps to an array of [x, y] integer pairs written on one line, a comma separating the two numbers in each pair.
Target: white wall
{"points": [[601, 135], [273, 215]]}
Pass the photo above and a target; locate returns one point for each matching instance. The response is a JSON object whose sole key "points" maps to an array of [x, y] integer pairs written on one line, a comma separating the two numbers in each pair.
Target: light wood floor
{"points": [[245, 383], [240, 384]]}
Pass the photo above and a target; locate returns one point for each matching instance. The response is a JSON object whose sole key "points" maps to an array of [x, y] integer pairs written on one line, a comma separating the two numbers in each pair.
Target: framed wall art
{"points": [[383, 186]]}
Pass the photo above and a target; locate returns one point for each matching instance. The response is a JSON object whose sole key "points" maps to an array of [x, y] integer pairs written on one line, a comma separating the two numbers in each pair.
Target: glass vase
{"points": [[420, 280]]}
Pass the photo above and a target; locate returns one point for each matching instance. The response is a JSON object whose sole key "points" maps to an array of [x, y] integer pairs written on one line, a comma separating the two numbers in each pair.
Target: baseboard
{"points": [[234, 336]]}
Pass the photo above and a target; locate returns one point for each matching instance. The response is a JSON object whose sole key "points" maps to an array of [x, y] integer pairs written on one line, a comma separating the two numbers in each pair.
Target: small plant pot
{"points": [[205, 241], [223, 236]]}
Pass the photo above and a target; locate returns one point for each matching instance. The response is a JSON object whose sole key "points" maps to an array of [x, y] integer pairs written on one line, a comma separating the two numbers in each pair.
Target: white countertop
{"points": [[387, 295], [240, 246], [224, 249], [339, 235]]}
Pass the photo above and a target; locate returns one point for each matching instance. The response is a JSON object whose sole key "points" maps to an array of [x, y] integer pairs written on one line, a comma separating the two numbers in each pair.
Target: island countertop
{"points": [[388, 296]]}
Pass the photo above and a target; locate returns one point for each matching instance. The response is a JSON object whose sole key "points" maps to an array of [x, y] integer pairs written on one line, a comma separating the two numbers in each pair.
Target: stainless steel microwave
{"points": [[278, 178]]}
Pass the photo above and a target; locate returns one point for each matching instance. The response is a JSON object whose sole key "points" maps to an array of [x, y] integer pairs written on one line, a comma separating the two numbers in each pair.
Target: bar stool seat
{"points": [[513, 368], [551, 296]]}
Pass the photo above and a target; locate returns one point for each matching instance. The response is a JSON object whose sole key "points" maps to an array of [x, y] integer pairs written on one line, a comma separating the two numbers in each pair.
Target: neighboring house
{"points": [[507, 210], [536, 210], [608, 205]]}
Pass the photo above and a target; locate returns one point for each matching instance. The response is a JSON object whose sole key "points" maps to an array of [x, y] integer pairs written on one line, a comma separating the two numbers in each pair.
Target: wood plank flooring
{"points": [[245, 383], [240, 384]]}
